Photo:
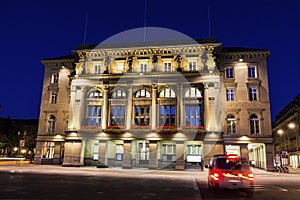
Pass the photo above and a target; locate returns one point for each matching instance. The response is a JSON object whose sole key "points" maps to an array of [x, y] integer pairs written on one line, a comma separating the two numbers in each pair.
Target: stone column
{"points": [[82, 152], [153, 162], [38, 155], [105, 108], [181, 107], [179, 155], [153, 106], [269, 156], [127, 155], [244, 150], [129, 108], [102, 158], [81, 116], [206, 107]]}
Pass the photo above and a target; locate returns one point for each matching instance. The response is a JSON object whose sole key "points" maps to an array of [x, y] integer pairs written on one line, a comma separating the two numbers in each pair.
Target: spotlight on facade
{"points": [[291, 125], [241, 60], [280, 131]]}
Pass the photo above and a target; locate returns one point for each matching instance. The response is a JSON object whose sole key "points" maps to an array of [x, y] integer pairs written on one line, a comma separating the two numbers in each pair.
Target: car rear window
{"points": [[229, 164]]}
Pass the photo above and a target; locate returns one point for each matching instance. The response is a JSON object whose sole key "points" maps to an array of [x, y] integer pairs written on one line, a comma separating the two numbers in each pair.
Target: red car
{"points": [[230, 172]]}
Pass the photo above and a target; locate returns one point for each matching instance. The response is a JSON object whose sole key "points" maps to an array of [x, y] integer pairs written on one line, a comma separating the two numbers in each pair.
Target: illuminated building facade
{"points": [[155, 105], [287, 135]]}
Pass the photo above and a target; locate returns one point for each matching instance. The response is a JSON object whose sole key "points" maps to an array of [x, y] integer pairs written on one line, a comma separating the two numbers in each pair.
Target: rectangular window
{"points": [[167, 67], [144, 152], [119, 152], [97, 69], [193, 149], [169, 149], [193, 115], [231, 125], [53, 98], [48, 149], [143, 68], [252, 72], [117, 115], [230, 94], [252, 93], [254, 126], [141, 116], [192, 65], [167, 116], [54, 78], [229, 72], [120, 67], [94, 116], [95, 151]]}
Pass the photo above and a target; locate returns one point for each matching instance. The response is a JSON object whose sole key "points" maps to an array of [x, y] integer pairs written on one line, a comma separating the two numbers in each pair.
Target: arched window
{"points": [[96, 94], [142, 94], [231, 124], [51, 124], [167, 93], [118, 94], [254, 124], [192, 92]]}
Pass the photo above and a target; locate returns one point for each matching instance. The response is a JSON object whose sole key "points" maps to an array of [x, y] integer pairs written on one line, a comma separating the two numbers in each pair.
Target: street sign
{"points": [[22, 143]]}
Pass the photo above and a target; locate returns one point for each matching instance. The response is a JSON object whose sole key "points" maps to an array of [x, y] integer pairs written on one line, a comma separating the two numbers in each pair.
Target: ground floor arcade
{"points": [[168, 151]]}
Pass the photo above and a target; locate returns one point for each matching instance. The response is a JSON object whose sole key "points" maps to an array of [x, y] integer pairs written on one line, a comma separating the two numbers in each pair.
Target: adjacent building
{"points": [[155, 105], [287, 135]]}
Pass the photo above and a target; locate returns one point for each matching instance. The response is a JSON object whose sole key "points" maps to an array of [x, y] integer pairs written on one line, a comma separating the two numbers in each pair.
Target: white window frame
{"points": [[192, 65], [229, 122], [256, 124], [143, 67], [55, 78], [95, 151], [253, 68], [230, 96], [229, 72], [120, 67], [97, 69], [167, 66], [51, 124], [253, 93], [53, 99]]}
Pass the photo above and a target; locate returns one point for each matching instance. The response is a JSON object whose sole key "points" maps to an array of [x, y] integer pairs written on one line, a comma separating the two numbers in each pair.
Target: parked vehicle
{"points": [[230, 172]]}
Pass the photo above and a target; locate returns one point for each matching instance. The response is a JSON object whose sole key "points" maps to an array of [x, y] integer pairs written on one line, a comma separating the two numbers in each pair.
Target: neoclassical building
{"points": [[155, 105], [287, 135]]}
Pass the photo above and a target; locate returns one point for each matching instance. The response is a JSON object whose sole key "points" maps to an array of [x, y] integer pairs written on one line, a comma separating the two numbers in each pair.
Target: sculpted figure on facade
{"points": [[178, 60]]}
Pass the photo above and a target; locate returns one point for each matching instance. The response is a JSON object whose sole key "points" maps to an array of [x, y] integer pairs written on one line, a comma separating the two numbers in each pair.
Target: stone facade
{"points": [[155, 105]]}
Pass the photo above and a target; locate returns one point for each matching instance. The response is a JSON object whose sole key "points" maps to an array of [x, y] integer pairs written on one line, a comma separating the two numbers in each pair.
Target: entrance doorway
{"points": [[143, 153]]}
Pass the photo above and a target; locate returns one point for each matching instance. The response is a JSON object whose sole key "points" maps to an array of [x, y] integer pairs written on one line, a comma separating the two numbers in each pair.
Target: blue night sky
{"points": [[33, 30]]}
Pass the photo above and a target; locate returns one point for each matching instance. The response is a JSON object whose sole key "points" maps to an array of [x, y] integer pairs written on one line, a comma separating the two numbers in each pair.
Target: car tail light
{"points": [[215, 176]]}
